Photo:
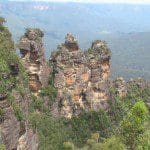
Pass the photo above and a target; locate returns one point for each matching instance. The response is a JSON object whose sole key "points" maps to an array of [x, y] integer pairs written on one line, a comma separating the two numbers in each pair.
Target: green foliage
{"points": [[87, 123], [8, 82], [68, 146], [134, 94], [117, 110], [2, 147], [132, 125], [112, 143], [18, 112], [2, 21], [79, 131], [90, 51], [36, 104], [21, 89], [10, 98], [36, 30], [1, 114], [34, 119], [52, 133], [49, 91], [144, 139]]}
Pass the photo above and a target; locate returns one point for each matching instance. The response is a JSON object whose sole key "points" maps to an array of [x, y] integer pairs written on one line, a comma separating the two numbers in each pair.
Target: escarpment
{"points": [[74, 81], [32, 50], [81, 78], [14, 98]]}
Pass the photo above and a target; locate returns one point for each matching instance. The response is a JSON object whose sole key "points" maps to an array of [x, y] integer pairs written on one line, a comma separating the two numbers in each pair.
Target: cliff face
{"points": [[15, 133], [32, 50], [14, 97], [81, 77]]}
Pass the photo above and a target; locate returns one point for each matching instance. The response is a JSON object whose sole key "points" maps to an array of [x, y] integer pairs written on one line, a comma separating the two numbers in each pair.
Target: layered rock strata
{"points": [[81, 77], [11, 127], [32, 51], [14, 98]]}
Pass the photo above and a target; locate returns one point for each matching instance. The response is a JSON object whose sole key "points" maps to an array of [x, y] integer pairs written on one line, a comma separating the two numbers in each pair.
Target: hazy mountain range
{"points": [[126, 28]]}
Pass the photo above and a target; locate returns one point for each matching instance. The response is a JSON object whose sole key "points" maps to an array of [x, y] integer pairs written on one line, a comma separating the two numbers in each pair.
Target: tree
{"points": [[144, 139], [68, 146], [86, 123], [133, 125], [2, 20], [52, 133], [112, 143]]}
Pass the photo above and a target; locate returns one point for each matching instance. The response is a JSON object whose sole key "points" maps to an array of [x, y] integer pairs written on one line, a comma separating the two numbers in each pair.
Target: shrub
{"points": [[51, 92], [112, 143], [18, 112], [85, 124], [52, 133], [2, 147], [133, 125], [68, 146]]}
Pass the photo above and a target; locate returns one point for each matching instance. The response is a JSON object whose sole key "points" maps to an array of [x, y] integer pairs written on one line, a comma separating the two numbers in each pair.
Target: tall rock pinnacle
{"points": [[81, 77], [32, 50]]}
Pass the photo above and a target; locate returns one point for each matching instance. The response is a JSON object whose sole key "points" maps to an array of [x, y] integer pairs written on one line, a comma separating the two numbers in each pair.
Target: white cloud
{"points": [[96, 1]]}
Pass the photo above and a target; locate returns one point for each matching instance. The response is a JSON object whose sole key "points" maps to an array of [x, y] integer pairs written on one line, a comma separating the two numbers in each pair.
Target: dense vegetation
{"points": [[10, 66], [124, 126]]}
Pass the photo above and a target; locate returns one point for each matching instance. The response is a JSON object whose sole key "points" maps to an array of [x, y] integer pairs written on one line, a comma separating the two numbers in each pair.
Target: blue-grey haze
{"points": [[126, 29]]}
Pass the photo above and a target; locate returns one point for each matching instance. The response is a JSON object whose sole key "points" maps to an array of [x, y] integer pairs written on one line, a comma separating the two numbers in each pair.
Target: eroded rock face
{"points": [[81, 77], [121, 87], [32, 50], [12, 129], [14, 97]]}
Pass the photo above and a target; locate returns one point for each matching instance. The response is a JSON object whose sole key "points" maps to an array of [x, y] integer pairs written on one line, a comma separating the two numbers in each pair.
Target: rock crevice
{"points": [[32, 50], [81, 77]]}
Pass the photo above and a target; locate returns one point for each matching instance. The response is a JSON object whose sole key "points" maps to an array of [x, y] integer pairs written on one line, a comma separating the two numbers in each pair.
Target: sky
{"points": [[96, 1]]}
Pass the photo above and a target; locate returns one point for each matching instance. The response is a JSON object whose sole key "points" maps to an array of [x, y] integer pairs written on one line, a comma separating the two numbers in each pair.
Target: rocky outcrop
{"points": [[32, 50], [13, 128], [81, 77], [121, 87], [14, 99]]}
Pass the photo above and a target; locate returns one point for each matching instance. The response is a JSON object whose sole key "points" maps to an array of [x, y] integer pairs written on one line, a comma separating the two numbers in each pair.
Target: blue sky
{"points": [[96, 1]]}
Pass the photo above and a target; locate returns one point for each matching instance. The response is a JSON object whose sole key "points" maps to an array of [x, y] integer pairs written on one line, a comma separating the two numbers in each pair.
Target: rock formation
{"points": [[32, 50], [81, 77], [11, 127], [14, 99], [121, 87]]}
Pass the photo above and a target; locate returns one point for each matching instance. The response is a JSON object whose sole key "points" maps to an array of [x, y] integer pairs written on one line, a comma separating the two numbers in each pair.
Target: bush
{"points": [[52, 133], [117, 110], [112, 143], [1, 114], [2, 147], [51, 92], [18, 112], [144, 139], [68, 146], [36, 104], [85, 124], [133, 125]]}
